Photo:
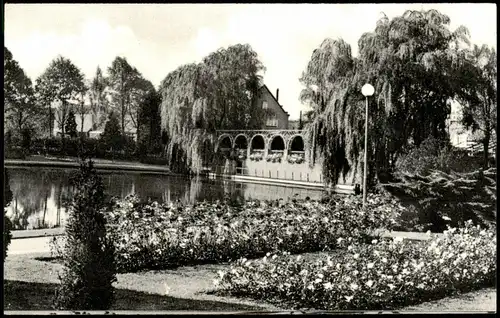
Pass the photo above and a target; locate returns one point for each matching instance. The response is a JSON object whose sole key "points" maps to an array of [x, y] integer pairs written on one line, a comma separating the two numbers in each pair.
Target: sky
{"points": [[158, 38]]}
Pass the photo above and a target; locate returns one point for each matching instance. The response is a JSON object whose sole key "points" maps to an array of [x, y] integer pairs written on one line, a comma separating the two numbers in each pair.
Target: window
{"points": [[264, 105], [272, 121]]}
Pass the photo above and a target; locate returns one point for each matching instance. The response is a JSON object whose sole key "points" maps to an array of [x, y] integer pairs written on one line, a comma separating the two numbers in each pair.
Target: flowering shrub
{"points": [[386, 274], [296, 158], [274, 157], [256, 156], [155, 236]]}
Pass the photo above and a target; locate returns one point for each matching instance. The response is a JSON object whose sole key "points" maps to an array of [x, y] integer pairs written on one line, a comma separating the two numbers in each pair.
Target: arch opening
{"points": [[297, 144], [277, 144], [241, 142], [257, 143], [225, 143]]}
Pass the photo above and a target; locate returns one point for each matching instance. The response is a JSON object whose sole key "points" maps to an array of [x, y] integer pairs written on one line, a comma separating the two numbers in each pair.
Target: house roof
{"points": [[274, 97]]}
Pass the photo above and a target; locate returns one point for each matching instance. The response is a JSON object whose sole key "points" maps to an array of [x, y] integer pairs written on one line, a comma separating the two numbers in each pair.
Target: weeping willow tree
{"points": [[414, 62], [199, 99]]}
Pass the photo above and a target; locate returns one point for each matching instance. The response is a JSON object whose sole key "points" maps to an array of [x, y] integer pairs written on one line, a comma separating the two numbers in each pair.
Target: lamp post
{"points": [[367, 90]]}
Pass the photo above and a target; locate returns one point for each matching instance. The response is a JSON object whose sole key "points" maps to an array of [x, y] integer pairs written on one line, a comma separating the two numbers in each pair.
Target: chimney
{"points": [[277, 94]]}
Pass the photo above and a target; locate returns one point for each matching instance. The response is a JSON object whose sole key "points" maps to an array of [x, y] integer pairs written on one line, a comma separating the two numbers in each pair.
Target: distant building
{"points": [[279, 117], [91, 128], [297, 124]]}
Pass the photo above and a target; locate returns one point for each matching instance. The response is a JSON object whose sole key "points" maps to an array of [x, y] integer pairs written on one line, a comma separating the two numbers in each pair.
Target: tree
{"points": [[7, 198], [70, 126], [82, 109], [149, 132], [198, 99], [414, 62], [122, 80], [98, 101], [88, 254], [229, 82], [479, 100], [20, 109], [61, 82], [139, 92], [112, 136]]}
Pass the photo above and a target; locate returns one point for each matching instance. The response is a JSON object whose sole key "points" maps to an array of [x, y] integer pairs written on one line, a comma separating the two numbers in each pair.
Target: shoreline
{"points": [[102, 164], [126, 166]]}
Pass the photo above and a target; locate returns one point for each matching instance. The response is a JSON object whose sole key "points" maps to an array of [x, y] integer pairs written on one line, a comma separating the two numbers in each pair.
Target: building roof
{"points": [[274, 97]]}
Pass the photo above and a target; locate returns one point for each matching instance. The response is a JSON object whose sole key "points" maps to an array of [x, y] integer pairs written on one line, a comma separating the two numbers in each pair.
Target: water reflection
{"points": [[40, 195]]}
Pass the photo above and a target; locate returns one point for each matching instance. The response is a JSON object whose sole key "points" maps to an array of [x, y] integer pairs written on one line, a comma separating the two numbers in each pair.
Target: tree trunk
{"points": [[50, 121], [82, 118], [486, 143], [123, 116]]}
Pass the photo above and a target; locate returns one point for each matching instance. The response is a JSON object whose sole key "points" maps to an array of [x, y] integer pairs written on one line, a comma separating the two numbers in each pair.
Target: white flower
{"points": [[370, 265], [328, 286], [384, 260], [349, 298], [374, 241], [320, 275], [356, 256], [421, 286], [310, 287], [369, 283], [446, 218], [391, 286], [318, 280], [354, 286], [167, 288], [349, 247]]}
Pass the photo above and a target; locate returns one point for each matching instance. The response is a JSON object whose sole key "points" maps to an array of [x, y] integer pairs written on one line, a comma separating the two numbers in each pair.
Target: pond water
{"points": [[39, 195]]}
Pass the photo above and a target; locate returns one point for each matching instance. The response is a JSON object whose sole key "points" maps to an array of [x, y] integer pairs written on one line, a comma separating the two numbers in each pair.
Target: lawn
{"points": [[29, 284], [21, 295]]}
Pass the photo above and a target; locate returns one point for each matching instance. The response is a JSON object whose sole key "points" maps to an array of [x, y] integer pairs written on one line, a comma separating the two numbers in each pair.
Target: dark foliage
{"points": [[442, 199], [88, 255], [112, 136], [70, 125], [7, 224], [435, 154]]}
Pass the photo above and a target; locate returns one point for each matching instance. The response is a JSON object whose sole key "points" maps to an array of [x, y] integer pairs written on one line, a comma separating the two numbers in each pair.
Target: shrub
{"points": [[434, 154], [440, 199], [158, 236], [88, 255], [386, 274], [7, 224]]}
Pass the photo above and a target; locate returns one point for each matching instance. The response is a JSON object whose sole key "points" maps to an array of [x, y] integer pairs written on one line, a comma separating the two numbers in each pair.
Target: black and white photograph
{"points": [[256, 158]]}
